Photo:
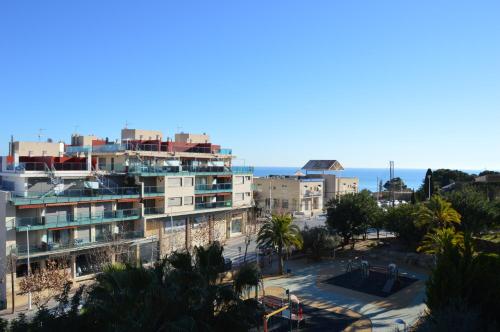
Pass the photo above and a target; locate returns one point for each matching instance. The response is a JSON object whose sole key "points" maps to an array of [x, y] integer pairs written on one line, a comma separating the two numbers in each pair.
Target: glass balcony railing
{"points": [[30, 166], [165, 170], [154, 210], [213, 205], [71, 166], [79, 243], [219, 187], [55, 221], [151, 191], [73, 195], [242, 169], [43, 167]]}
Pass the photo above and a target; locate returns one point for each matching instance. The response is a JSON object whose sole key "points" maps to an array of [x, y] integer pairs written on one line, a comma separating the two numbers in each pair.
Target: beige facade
{"points": [[192, 138], [336, 186], [141, 134], [38, 149], [82, 140], [294, 195]]}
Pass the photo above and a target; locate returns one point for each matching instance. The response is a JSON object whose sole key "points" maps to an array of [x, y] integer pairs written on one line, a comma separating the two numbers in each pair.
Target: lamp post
{"points": [[29, 266], [429, 180]]}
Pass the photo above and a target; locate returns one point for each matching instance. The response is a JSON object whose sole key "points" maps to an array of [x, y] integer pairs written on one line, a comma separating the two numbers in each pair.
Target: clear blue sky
{"points": [[280, 82]]}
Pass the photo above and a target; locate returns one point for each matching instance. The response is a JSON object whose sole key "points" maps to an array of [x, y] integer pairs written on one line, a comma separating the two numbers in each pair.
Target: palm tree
{"points": [[279, 233], [248, 276], [437, 213], [436, 242]]}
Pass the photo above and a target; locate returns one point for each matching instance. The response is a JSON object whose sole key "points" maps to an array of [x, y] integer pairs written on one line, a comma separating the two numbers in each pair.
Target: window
{"points": [[247, 178], [239, 180], [236, 225], [239, 196], [188, 182], [102, 163], [174, 223], [174, 201], [284, 204], [276, 203], [283, 186], [248, 194], [188, 200], [174, 182]]}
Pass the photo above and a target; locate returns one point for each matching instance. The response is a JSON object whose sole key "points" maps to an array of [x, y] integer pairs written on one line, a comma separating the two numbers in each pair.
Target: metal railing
{"points": [[71, 195], [64, 220], [79, 243], [213, 205], [214, 187]]}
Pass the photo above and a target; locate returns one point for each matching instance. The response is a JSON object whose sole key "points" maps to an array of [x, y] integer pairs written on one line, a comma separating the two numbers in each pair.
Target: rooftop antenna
{"points": [[40, 133], [179, 129], [127, 124], [76, 129]]}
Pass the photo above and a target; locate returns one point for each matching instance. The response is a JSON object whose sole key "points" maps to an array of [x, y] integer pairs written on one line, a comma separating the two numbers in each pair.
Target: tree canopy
{"points": [[352, 214]]}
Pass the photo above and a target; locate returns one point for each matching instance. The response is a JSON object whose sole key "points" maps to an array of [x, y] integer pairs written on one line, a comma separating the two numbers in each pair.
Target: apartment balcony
{"points": [[312, 193], [242, 169], [213, 188], [154, 191], [47, 222], [158, 170], [213, 205], [73, 195], [154, 210], [148, 147], [76, 244], [23, 167]]}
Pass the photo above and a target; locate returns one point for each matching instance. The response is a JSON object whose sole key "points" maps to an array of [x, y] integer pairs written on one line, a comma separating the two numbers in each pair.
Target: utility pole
{"points": [[391, 178], [12, 284], [270, 197], [29, 266]]}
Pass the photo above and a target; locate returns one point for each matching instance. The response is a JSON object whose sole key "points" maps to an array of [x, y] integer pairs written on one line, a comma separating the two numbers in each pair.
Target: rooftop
{"points": [[323, 165]]}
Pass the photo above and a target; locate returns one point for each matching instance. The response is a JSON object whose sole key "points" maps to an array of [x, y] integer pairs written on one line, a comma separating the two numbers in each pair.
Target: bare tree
{"points": [[46, 283]]}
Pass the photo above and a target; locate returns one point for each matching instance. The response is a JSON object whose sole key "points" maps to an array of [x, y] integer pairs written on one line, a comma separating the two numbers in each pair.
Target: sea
{"points": [[413, 178]]}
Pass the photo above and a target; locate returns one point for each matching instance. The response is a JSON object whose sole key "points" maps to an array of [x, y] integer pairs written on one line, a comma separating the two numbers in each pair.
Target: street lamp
{"points": [[429, 180], [29, 266]]}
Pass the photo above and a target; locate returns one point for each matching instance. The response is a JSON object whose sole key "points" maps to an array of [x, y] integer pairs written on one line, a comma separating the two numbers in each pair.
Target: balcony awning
{"points": [[60, 204], [126, 200], [33, 206]]}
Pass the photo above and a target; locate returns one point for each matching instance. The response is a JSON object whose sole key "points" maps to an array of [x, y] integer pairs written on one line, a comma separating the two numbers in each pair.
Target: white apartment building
{"points": [[94, 201]]}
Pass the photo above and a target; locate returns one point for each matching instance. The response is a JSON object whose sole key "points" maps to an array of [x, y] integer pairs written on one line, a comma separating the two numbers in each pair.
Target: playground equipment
{"points": [[286, 308], [392, 271], [365, 269], [392, 276], [348, 267]]}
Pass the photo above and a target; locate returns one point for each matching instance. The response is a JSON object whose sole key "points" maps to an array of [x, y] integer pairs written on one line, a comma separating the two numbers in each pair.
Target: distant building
{"points": [[335, 186], [289, 194], [304, 193]]}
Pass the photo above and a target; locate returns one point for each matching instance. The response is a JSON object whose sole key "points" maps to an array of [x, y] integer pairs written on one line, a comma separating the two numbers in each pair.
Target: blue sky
{"points": [[280, 82]]}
